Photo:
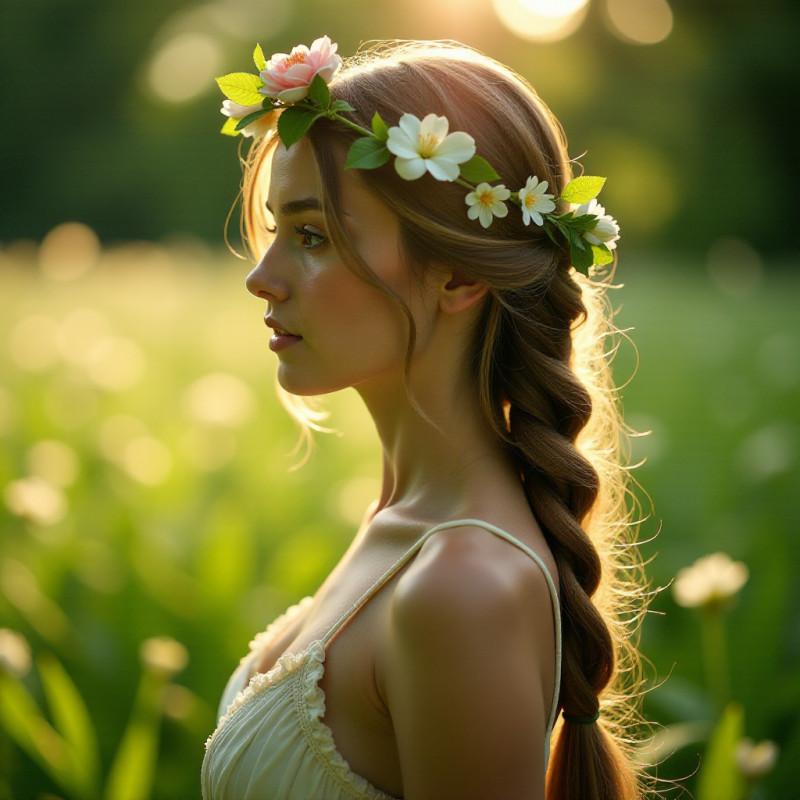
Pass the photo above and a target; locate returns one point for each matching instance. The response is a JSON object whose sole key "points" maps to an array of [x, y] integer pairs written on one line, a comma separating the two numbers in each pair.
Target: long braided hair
{"points": [[541, 367]]}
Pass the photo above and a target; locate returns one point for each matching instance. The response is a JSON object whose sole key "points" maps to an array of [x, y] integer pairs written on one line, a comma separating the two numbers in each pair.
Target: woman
{"points": [[469, 608]]}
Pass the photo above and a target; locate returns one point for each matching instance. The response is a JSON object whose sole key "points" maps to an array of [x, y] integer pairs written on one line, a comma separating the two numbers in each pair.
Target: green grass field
{"points": [[146, 491]]}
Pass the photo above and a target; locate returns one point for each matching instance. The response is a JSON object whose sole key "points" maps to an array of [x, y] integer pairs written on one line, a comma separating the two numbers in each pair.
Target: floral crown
{"points": [[297, 85]]}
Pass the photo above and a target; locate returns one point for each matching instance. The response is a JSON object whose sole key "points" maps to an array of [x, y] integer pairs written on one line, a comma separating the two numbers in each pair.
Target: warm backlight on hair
{"points": [[541, 20], [640, 21]]}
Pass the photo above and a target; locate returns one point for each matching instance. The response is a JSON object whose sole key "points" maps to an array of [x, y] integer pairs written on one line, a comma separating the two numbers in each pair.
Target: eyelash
{"points": [[307, 234], [304, 232]]}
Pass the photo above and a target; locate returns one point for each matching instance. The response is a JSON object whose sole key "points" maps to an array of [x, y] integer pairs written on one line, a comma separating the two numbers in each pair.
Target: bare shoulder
{"points": [[469, 668], [470, 574]]}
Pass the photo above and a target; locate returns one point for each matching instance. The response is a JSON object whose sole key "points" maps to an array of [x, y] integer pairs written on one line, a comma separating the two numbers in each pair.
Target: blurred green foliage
{"points": [[695, 131], [141, 395]]}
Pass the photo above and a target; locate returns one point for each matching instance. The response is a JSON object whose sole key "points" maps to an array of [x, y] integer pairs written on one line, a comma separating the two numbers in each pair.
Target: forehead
{"points": [[293, 174]]}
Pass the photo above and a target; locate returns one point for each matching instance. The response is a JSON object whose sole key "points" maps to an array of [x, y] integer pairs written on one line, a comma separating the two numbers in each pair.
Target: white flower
{"points": [[425, 145], [756, 760], [15, 653], [255, 129], [605, 231], [486, 202], [709, 581], [534, 201]]}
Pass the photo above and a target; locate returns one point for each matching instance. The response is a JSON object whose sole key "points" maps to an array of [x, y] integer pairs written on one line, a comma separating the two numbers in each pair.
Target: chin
{"points": [[306, 385]]}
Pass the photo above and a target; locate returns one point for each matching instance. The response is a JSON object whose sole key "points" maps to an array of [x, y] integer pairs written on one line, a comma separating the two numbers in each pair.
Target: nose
{"points": [[264, 281]]}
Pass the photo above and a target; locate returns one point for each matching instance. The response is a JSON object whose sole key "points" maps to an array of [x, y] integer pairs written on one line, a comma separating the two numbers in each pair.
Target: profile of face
{"points": [[332, 329]]}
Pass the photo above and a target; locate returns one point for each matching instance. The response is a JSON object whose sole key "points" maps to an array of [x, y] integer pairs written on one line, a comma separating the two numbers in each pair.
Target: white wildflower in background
{"points": [[15, 653], [163, 655], [756, 759], [709, 581]]}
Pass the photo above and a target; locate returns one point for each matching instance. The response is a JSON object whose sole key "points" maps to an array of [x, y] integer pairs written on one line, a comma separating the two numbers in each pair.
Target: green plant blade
{"points": [[133, 770], [72, 720], [294, 122], [719, 778], [22, 720], [582, 189], [366, 153]]}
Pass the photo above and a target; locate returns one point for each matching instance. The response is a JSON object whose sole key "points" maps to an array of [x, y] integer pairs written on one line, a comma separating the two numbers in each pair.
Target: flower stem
{"points": [[716, 657], [354, 126]]}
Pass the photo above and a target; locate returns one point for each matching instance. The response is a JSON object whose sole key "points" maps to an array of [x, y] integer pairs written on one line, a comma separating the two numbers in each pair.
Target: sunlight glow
{"points": [[639, 21], [541, 20], [185, 67]]}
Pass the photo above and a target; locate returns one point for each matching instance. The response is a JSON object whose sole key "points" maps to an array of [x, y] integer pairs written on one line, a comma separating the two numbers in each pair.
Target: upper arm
{"points": [[470, 652]]}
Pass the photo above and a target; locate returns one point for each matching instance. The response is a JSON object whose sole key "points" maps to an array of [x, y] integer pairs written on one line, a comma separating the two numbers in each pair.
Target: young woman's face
{"points": [[331, 329]]}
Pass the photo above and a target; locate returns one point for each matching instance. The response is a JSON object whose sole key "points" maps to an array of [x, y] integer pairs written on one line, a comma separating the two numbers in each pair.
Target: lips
{"points": [[278, 327]]}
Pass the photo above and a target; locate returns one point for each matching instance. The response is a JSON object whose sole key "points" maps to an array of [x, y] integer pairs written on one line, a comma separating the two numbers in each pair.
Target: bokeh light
{"points": [[541, 20], [54, 461], [639, 21], [185, 66], [68, 251]]}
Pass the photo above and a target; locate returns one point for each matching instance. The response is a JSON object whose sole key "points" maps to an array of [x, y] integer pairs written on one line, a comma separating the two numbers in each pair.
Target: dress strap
{"points": [[414, 549]]}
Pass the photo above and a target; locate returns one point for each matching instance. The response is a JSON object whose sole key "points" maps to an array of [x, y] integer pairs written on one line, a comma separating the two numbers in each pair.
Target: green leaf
{"points": [[319, 92], [478, 170], [242, 88], [379, 127], [601, 255], [229, 128], [258, 58], [268, 103], [294, 122], [582, 190], [340, 105], [366, 153], [585, 222], [73, 722], [245, 121], [719, 778], [581, 259]]}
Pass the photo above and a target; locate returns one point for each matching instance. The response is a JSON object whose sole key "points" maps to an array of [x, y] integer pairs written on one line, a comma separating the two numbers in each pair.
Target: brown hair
{"points": [[541, 366]]}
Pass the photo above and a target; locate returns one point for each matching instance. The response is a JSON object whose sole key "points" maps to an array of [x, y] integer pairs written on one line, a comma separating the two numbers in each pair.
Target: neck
{"points": [[440, 456]]}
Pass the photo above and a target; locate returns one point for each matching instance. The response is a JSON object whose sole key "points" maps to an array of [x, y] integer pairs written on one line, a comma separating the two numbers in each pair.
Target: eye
{"points": [[271, 228], [310, 237]]}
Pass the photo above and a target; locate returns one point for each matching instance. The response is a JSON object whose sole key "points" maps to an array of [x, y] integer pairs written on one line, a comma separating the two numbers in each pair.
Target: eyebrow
{"points": [[298, 206]]}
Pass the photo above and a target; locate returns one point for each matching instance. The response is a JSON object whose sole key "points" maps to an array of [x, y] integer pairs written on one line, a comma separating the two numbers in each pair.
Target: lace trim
{"points": [[310, 696], [261, 681], [260, 640]]}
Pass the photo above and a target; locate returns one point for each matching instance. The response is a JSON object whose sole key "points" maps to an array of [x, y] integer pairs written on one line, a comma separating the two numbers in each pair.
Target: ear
{"points": [[459, 293]]}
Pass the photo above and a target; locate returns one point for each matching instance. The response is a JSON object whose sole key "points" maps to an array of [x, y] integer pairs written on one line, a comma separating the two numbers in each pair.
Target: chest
{"points": [[349, 615]]}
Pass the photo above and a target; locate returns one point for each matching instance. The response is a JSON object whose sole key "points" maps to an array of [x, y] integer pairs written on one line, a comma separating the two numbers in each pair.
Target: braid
{"points": [[539, 408]]}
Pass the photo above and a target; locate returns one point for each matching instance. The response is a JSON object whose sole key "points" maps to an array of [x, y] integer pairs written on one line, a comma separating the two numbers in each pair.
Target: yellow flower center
{"points": [[486, 199], [427, 145], [530, 200]]}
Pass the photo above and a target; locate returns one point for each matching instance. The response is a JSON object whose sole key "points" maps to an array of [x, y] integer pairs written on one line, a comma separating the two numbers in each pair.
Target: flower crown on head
{"points": [[296, 84]]}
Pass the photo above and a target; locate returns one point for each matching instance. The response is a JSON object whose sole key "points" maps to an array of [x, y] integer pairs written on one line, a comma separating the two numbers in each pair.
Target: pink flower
{"points": [[287, 77]]}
